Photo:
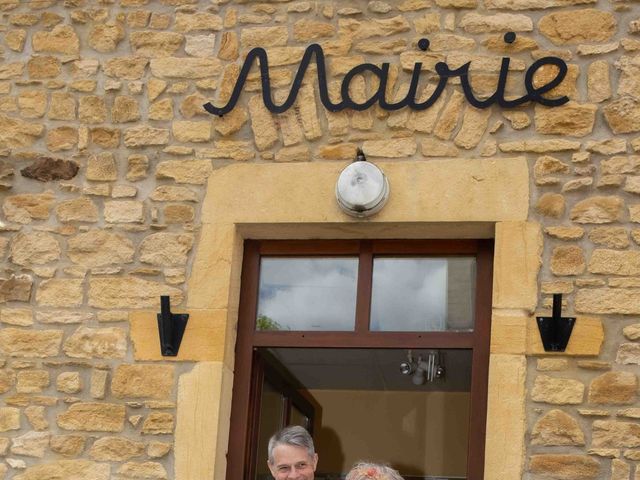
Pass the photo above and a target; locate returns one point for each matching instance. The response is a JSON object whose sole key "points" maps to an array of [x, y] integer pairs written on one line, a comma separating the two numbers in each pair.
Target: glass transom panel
{"points": [[309, 294], [414, 294]]}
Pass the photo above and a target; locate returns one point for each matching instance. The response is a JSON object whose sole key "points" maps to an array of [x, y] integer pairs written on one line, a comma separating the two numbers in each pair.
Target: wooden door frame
{"points": [[243, 401]]}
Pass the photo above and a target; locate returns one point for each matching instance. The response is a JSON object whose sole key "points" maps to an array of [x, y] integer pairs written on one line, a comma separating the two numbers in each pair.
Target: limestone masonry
{"points": [[107, 156]]}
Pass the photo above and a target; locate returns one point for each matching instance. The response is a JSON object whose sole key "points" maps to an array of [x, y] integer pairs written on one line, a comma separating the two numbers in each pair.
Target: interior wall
{"points": [[416, 432]]}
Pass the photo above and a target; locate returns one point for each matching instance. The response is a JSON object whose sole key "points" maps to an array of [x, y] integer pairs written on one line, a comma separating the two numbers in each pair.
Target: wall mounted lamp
{"points": [[171, 327], [555, 331], [362, 188]]}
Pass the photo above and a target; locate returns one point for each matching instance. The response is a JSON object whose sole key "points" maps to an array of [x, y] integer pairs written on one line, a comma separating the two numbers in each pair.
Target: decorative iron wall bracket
{"points": [[555, 331], [171, 327]]}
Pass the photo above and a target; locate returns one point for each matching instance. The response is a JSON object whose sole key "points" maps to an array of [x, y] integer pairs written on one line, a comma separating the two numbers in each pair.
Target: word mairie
{"points": [[534, 94]]}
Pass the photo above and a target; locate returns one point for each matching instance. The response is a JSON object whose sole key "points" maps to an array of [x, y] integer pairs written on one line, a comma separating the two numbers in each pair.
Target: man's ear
{"points": [[271, 469], [315, 461]]}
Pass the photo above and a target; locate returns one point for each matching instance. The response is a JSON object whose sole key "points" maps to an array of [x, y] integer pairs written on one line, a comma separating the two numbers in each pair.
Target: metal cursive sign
{"points": [[534, 94]]}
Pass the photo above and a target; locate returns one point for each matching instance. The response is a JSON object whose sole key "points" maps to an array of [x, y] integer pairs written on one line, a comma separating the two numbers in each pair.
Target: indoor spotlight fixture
{"points": [[362, 189], [424, 369]]}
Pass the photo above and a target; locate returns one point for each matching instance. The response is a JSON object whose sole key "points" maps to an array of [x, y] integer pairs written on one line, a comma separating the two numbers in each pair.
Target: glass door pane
{"points": [[307, 293], [271, 415], [418, 294]]}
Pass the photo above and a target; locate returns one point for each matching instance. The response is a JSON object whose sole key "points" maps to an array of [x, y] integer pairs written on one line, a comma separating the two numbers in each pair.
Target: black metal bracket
{"points": [[171, 327], [555, 331]]}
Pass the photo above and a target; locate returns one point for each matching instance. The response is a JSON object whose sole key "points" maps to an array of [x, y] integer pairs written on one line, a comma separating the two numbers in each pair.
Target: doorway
{"points": [[328, 323]]}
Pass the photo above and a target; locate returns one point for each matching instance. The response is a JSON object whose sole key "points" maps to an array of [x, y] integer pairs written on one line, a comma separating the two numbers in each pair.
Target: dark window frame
{"points": [[248, 338]]}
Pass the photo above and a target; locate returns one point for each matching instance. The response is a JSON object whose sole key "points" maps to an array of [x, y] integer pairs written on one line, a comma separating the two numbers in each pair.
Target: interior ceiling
{"points": [[370, 369]]}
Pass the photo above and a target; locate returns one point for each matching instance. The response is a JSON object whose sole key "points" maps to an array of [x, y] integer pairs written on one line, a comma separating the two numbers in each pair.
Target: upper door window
{"points": [[408, 293]]}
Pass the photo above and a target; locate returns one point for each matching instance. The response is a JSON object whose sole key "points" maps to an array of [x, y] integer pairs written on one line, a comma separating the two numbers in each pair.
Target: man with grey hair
{"points": [[292, 455]]}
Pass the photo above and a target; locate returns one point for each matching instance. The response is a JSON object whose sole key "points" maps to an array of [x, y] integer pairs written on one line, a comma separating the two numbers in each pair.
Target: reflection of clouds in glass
{"points": [[409, 294], [309, 293]]}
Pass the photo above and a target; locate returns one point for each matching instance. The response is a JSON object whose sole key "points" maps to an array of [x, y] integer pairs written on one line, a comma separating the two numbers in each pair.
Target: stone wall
{"points": [[106, 150]]}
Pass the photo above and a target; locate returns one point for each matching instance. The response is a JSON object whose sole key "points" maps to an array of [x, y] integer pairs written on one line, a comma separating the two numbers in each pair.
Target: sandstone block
{"points": [[92, 109], [67, 469], [598, 209], [624, 301], [180, 67], [474, 125], [532, 4], [62, 39], [158, 423], [571, 119], [578, 26], [32, 103], [262, 124], [36, 416], [629, 354], [16, 287], [629, 83], [632, 332], [187, 131], [161, 110], [551, 205], [31, 444], [98, 248], [69, 382], [105, 37], [125, 109], [565, 467], [264, 37], [60, 292], [129, 292], [9, 419], [201, 21], [558, 391], [7, 380], [155, 44], [43, 66], [88, 342], [105, 137], [137, 167], [143, 381], [150, 470], [93, 417], [98, 386], [15, 39], [67, 445], [615, 262], [612, 434], [144, 135], [34, 248], [178, 214], [166, 249], [26, 207], [115, 449], [567, 260], [80, 209], [614, 388], [305, 30], [623, 115], [61, 138], [200, 45], [32, 381], [102, 168], [598, 83], [158, 449], [503, 22], [126, 68], [124, 211], [16, 342], [360, 30], [393, 148], [557, 428], [612, 237], [173, 193], [15, 133], [185, 171]]}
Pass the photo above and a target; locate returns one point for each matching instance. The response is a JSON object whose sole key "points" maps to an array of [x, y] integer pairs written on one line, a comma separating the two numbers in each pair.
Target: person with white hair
{"points": [[372, 471], [292, 455]]}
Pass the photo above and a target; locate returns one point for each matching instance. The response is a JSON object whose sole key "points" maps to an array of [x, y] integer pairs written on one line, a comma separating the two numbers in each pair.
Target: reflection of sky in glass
{"points": [[409, 294], [309, 293]]}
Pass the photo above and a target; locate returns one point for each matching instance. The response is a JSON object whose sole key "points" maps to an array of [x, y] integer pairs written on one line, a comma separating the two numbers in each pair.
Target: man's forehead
{"points": [[284, 453]]}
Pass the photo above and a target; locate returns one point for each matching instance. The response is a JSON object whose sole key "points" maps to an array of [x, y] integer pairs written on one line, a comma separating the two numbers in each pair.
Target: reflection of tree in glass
{"points": [[266, 323]]}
